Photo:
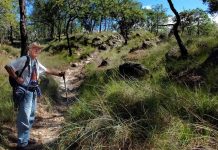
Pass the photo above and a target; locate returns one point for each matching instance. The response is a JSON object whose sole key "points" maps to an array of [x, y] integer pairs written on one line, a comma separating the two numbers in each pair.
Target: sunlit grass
{"points": [[153, 112], [6, 104]]}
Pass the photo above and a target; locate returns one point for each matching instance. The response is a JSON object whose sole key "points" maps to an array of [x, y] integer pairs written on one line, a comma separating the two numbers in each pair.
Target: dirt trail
{"points": [[48, 124]]}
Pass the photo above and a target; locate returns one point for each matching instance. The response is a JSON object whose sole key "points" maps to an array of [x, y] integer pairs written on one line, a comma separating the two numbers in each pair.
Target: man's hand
{"points": [[20, 80], [55, 73], [61, 74]]}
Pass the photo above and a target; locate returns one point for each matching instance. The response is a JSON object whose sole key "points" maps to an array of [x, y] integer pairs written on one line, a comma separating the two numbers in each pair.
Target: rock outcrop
{"points": [[131, 69]]}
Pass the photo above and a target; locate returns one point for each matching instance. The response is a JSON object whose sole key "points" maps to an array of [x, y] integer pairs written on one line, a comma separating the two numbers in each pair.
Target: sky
{"points": [[180, 5]]}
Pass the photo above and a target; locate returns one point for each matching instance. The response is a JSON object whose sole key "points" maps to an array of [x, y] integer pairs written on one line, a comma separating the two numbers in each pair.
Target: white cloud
{"points": [[214, 18], [147, 7], [170, 20]]}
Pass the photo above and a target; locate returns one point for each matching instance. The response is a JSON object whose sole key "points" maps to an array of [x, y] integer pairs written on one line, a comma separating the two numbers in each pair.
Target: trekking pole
{"points": [[65, 87]]}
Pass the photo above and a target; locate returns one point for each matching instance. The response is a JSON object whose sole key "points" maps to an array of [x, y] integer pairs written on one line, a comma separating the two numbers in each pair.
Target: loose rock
{"points": [[103, 63], [97, 41], [103, 47], [133, 70]]}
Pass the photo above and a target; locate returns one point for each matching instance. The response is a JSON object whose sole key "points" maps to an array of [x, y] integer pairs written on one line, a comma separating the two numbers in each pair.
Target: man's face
{"points": [[34, 52]]}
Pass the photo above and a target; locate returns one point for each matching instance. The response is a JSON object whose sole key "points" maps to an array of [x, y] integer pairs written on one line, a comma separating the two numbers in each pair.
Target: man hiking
{"points": [[25, 72]]}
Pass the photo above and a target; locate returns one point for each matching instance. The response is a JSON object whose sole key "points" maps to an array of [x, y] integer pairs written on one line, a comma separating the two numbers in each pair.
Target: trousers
{"points": [[26, 101]]}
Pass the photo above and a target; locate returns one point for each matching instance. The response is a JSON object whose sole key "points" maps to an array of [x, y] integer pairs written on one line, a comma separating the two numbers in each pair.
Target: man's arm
{"points": [[12, 73], [43, 69], [55, 73]]}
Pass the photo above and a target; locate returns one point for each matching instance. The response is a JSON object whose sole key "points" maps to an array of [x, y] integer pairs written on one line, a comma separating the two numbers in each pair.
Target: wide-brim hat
{"points": [[35, 46]]}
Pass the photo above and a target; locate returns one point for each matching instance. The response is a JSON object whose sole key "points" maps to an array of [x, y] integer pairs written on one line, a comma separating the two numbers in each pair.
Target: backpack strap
{"points": [[26, 64]]}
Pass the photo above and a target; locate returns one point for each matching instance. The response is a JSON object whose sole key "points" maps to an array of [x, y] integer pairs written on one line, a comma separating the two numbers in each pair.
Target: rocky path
{"points": [[49, 123]]}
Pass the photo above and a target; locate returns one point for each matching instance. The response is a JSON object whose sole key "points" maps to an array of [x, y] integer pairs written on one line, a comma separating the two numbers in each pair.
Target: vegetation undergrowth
{"points": [[154, 112], [6, 104]]}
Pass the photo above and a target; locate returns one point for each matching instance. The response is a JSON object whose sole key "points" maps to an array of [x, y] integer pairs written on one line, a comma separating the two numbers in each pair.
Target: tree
{"points": [[155, 18], [160, 16], [183, 50], [49, 14], [213, 5], [149, 19], [8, 20], [90, 16], [127, 13], [186, 20], [103, 12], [75, 9], [23, 31], [195, 21], [202, 21]]}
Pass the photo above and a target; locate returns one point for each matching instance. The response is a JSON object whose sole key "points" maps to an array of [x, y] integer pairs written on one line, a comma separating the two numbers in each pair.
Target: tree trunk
{"points": [[157, 24], [59, 36], [51, 31], [23, 31], [183, 50], [68, 40], [93, 22], [100, 24], [105, 24], [124, 33], [59, 30], [109, 24], [11, 35], [71, 18]]}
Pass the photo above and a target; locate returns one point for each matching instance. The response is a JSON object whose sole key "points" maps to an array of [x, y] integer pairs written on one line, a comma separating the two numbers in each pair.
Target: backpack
{"points": [[12, 81]]}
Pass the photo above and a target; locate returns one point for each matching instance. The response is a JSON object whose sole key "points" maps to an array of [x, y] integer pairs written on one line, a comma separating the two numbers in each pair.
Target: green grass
{"points": [[155, 112], [145, 109], [199, 49], [6, 105], [10, 50], [54, 61], [183, 135]]}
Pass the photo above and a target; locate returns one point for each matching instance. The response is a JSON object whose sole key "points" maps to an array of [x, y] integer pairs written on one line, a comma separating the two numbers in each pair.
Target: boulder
{"points": [[97, 41], [147, 44], [131, 69], [135, 49], [82, 57], [113, 37], [85, 41], [103, 63], [112, 42], [103, 47], [103, 36], [73, 64], [138, 35], [115, 41]]}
